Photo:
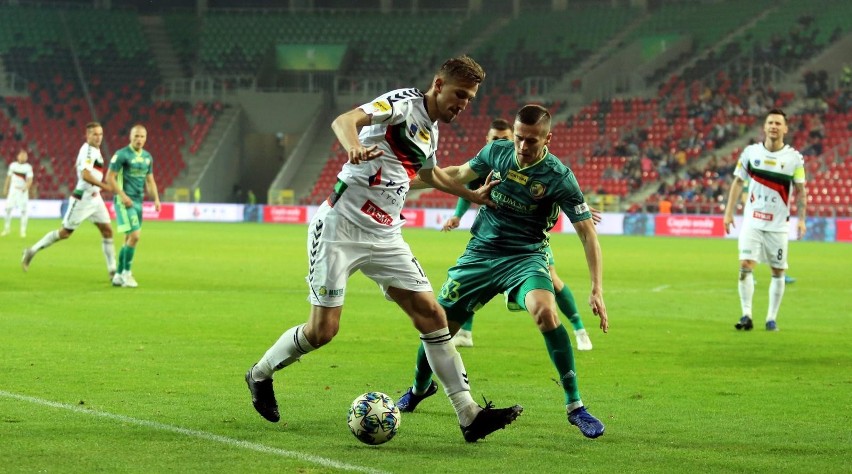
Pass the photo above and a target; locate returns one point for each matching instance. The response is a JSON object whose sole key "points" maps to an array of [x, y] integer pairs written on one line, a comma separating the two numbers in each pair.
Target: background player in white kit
{"points": [[774, 169], [19, 178], [358, 228], [85, 202]]}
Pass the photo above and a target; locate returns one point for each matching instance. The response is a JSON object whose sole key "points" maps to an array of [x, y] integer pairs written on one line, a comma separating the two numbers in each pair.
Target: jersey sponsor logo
{"points": [[381, 105], [770, 162], [537, 189], [517, 177], [496, 176], [376, 179], [338, 293], [764, 216], [376, 213], [581, 208]]}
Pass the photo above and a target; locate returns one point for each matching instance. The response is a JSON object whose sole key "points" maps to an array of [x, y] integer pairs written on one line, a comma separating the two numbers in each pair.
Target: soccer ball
{"points": [[374, 418]]}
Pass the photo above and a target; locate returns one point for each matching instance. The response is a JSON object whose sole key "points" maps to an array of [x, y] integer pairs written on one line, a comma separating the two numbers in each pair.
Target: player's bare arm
{"points": [[89, 178], [455, 173], [801, 209], [116, 189], [731, 207], [6, 186], [594, 259], [440, 179], [346, 127], [152, 190]]}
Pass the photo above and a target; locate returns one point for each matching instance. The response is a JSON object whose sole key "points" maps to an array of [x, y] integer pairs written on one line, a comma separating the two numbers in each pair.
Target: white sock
{"points": [[49, 239], [449, 369], [109, 253], [289, 348], [776, 294], [24, 221], [8, 223], [746, 288]]}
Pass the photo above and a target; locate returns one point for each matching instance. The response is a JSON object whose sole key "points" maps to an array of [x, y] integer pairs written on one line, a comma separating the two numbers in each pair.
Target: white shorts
{"points": [[17, 198], [337, 249], [764, 247], [90, 207]]}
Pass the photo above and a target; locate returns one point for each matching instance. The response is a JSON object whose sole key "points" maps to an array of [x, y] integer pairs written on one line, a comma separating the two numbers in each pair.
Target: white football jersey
{"points": [[371, 194], [772, 174], [20, 173], [90, 159]]}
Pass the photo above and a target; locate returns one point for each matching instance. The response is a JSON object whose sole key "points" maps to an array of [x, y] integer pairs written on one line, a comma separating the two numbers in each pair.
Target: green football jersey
{"points": [[131, 170], [529, 200]]}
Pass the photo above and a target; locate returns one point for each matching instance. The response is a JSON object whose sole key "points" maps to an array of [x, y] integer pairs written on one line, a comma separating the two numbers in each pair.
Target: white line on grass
{"points": [[660, 288], [324, 462]]}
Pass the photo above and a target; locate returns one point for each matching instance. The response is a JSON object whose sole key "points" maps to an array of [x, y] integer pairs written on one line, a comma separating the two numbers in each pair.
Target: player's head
{"points": [[22, 156], [94, 134], [500, 130], [532, 132], [775, 125], [454, 87], [138, 136]]}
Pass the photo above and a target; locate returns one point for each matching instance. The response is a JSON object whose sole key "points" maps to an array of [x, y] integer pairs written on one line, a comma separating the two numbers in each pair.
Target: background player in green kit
{"points": [[130, 170], [506, 253], [502, 130]]}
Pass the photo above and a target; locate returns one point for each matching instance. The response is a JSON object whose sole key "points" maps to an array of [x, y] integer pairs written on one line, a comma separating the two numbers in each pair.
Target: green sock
{"points": [[121, 260], [468, 325], [565, 300], [422, 371], [559, 347], [128, 257]]}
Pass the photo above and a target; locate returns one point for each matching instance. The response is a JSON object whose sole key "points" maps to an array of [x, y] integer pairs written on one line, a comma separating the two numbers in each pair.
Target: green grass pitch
{"points": [[102, 379]]}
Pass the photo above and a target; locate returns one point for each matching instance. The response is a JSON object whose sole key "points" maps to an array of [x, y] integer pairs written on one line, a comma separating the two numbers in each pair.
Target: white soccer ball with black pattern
{"points": [[374, 418]]}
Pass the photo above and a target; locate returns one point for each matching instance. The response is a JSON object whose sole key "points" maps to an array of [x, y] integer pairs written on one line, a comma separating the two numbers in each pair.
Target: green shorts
{"points": [[477, 278], [551, 261], [128, 219]]}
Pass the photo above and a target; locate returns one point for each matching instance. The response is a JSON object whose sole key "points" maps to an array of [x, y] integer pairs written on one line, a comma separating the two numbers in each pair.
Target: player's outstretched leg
{"points": [[263, 397]]}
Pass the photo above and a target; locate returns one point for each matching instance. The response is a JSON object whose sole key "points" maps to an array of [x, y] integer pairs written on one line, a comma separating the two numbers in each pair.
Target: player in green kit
{"points": [[130, 170], [506, 253]]}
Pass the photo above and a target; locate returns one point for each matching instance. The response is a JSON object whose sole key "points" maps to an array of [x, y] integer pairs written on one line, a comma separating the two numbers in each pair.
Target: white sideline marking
{"points": [[324, 462], [660, 288]]}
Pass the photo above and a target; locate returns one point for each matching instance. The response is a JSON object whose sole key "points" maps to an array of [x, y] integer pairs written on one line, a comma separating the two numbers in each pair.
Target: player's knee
{"points": [[744, 272], [547, 319], [65, 233]]}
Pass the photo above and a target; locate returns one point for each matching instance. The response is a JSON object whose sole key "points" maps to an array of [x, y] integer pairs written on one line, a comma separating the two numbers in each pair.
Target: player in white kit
{"points": [[19, 178], [358, 228], [774, 170], [85, 202]]}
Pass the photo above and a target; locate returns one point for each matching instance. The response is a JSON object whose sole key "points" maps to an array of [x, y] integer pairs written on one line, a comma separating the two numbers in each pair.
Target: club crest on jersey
{"points": [[375, 179], [513, 175], [381, 105], [537, 189], [424, 135], [756, 162], [412, 130]]}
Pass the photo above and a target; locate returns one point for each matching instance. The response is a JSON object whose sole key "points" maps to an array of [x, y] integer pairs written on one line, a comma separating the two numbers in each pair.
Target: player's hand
{"points": [[126, 201], [360, 153], [729, 223], [482, 195], [596, 215], [596, 302], [452, 223], [802, 229], [157, 205]]}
